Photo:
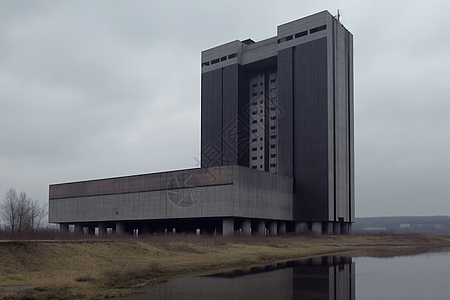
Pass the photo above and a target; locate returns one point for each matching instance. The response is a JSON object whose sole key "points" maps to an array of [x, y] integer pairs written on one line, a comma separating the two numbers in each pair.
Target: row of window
{"points": [[271, 165], [303, 33], [217, 60]]}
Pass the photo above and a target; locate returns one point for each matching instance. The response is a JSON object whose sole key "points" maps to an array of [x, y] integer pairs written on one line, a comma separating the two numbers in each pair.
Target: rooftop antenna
{"points": [[339, 16]]}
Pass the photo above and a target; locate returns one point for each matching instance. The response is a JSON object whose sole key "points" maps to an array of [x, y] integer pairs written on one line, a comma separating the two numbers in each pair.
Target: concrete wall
{"points": [[249, 193]]}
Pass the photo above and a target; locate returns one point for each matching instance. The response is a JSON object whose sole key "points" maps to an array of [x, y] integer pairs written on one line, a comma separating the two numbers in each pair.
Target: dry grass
{"points": [[98, 269]]}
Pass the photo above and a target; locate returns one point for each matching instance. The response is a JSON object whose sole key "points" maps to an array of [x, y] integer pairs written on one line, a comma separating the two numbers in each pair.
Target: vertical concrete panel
{"points": [[328, 227]]}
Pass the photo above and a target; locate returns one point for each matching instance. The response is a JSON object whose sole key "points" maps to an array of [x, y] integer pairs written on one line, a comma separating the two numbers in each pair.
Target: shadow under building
{"points": [[277, 150]]}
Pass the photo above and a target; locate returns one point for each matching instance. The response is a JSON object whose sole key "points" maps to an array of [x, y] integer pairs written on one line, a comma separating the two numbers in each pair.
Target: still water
{"points": [[425, 276]]}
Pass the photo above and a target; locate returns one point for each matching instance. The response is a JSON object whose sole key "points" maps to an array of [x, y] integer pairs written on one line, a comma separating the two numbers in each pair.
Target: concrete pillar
{"points": [[350, 228], [282, 228], [78, 229], [63, 228], [246, 227], [228, 227], [101, 229], [260, 227], [316, 227], [329, 227], [145, 230], [120, 228], [91, 230], [273, 228], [344, 228], [300, 227], [337, 228]]}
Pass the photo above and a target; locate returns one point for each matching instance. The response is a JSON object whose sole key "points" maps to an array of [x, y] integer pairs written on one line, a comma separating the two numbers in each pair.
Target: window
{"points": [[300, 34], [260, 166], [254, 130], [273, 118], [272, 137], [255, 103], [254, 112], [273, 165], [260, 120], [288, 38], [254, 149], [223, 58], [260, 139], [254, 158], [254, 167], [261, 93], [273, 155], [316, 29], [205, 64], [261, 157], [261, 110], [254, 94], [232, 55], [261, 83], [254, 85], [254, 121], [254, 140], [273, 80], [260, 148], [273, 127], [272, 146], [215, 61]]}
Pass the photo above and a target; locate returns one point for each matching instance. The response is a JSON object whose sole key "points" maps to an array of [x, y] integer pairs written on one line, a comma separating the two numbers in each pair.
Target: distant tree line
{"points": [[21, 214]]}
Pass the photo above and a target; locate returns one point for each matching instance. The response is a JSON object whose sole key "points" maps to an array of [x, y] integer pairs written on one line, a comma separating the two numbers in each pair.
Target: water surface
{"points": [[425, 276]]}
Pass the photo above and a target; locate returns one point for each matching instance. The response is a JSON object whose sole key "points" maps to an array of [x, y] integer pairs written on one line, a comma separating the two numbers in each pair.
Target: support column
{"points": [[260, 226], [344, 228], [228, 227], [316, 227], [63, 228], [91, 230], [273, 228], [246, 227], [282, 228], [101, 229], [350, 228], [78, 229], [329, 226], [120, 228], [145, 230], [300, 227], [337, 228]]}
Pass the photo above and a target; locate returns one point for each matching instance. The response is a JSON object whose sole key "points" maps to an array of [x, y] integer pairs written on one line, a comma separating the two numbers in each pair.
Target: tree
{"points": [[9, 210], [21, 213]]}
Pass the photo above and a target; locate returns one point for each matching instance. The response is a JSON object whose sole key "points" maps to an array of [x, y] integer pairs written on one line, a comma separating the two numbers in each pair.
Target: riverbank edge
{"points": [[166, 258]]}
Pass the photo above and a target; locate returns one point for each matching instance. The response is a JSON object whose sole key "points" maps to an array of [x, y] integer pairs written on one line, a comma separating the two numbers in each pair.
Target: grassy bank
{"points": [[98, 269]]}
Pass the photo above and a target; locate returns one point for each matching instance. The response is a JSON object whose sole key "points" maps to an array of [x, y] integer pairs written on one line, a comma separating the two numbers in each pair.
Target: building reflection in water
{"points": [[329, 277]]}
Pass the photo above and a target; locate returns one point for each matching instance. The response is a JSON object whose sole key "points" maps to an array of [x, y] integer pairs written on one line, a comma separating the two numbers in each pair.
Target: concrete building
{"points": [[276, 146]]}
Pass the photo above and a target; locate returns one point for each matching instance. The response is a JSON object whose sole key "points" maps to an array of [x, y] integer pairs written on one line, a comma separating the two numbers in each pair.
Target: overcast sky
{"points": [[94, 89]]}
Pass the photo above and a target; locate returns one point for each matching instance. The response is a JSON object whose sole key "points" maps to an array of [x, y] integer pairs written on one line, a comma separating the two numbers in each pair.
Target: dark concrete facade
{"points": [[313, 61]]}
